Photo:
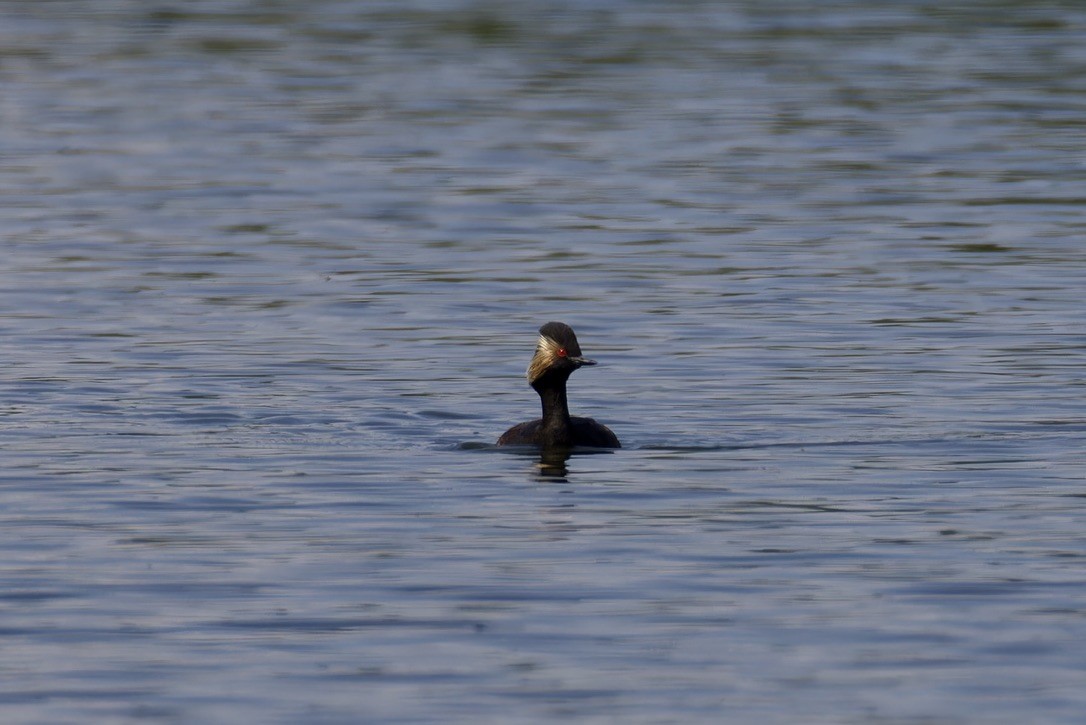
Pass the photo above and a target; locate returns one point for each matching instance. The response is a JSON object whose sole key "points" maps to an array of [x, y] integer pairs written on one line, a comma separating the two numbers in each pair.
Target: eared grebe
{"points": [[557, 355]]}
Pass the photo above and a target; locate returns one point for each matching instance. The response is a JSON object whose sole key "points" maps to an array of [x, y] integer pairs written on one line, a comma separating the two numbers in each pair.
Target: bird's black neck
{"points": [[555, 428]]}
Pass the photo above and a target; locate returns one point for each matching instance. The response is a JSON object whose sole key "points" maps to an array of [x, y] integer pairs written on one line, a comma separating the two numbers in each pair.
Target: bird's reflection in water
{"points": [[552, 463]]}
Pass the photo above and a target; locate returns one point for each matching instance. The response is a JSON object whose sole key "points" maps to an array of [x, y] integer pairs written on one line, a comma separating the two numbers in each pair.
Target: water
{"points": [[272, 273]]}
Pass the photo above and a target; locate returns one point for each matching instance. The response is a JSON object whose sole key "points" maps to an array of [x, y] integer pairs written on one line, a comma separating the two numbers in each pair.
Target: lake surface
{"points": [[272, 273]]}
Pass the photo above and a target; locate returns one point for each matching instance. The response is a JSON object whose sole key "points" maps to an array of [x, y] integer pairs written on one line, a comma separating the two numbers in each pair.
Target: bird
{"points": [[557, 355]]}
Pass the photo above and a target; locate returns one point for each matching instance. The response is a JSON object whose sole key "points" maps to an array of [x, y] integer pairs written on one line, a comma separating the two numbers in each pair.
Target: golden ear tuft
{"points": [[546, 351]]}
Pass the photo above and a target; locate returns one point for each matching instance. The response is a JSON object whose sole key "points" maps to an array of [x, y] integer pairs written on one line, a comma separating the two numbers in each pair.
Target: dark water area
{"points": [[272, 273]]}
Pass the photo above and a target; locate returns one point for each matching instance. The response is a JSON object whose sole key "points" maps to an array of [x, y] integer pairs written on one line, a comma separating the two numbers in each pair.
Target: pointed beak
{"points": [[579, 361]]}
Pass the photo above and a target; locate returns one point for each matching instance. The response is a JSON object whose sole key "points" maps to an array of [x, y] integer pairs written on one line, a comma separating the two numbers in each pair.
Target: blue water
{"points": [[272, 273]]}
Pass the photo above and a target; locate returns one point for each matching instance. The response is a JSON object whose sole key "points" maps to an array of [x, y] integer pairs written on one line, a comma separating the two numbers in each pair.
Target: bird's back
{"points": [[583, 432]]}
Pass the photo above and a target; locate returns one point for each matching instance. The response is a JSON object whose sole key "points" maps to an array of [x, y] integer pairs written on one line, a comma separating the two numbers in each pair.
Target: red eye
{"points": [[561, 352]]}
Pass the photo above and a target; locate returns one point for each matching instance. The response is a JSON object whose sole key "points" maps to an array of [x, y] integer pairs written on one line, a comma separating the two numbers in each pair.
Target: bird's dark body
{"points": [[582, 432]]}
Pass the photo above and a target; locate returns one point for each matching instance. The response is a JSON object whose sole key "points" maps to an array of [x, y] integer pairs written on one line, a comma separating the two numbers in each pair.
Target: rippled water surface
{"points": [[272, 272]]}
